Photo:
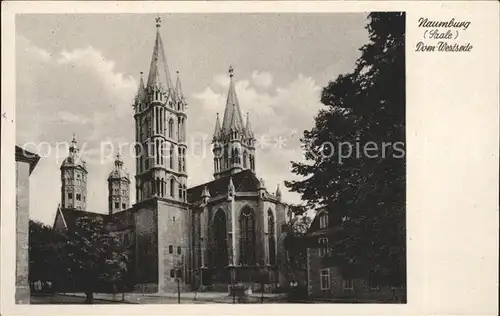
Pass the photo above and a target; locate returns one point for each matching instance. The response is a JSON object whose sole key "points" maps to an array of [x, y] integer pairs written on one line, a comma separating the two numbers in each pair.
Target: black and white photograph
{"points": [[224, 158], [257, 157]]}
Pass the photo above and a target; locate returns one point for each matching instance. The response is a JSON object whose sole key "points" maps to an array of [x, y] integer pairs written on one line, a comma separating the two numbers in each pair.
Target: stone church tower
{"points": [[161, 211], [118, 188], [74, 180], [236, 220], [234, 141]]}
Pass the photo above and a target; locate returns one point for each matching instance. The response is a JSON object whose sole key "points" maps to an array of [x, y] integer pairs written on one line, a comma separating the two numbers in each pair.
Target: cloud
{"points": [[262, 79], [71, 91], [93, 60], [64, 117], [221, 80], [26, 48]]}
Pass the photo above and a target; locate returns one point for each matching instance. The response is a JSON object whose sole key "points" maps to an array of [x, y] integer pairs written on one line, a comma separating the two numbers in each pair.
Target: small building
{"points": [[330, 278], [25, 164]]}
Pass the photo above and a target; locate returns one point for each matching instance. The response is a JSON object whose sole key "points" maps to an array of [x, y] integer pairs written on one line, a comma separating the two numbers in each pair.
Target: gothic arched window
{"points": [[236, 156], [247, 238], [170, 128], [245, 159], [323, 220], [172, 186], [220, 240], [226, 157], [179, 158], [271, 237], [171, 156]]}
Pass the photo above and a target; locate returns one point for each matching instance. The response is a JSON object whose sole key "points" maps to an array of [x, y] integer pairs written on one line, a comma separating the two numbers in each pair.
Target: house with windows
{"points": [[329, 278], [25, 164]]}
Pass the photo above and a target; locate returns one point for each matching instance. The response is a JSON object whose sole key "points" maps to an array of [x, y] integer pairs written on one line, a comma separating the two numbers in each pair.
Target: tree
{"points": [[94, 254], [299, 221], [45, 257], [364, 189], [296, 252]]}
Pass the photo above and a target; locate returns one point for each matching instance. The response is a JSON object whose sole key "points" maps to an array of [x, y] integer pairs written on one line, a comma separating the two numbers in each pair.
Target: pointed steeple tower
{"points": [[232, 120], [159, 74], [217, 130], [178, 85], [234, 148], [160, 124], [141, 90], [248, 128]]}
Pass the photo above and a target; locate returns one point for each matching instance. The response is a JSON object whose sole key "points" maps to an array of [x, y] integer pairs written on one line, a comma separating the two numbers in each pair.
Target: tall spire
{"points": [[159, 74], [232, 114], [248, 127], [178, 86], [141, 92], [217, 127]]}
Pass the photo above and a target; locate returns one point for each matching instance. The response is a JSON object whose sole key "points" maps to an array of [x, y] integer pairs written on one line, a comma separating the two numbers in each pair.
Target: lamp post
{"points": [[263, 280], [178, 287], [232, 271]]}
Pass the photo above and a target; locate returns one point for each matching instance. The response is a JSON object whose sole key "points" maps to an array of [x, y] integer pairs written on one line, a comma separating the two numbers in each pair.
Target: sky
{"points": [[79, 74]]}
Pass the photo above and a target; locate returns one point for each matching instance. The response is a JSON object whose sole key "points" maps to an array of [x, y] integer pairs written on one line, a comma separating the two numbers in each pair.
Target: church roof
{"points": [[119, 221], [233, 120], [159, 74], [244, 181], [70, 216], [27, 156]]}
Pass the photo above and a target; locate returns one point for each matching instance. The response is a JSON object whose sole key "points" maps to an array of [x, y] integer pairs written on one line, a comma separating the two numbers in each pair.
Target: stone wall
{"points": [[173, 246], [146, 251], [22, 229]]}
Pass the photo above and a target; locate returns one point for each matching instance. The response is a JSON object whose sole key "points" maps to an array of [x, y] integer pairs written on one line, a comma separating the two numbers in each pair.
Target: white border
{"points": [[452, 134]]}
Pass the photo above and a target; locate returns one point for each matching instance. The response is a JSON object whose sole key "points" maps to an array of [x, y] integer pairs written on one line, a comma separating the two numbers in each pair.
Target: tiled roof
{"points": [[244, 181], [72, 215]]}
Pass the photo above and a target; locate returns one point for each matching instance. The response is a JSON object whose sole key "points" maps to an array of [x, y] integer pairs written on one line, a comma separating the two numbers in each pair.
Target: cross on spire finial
{"points": [[158, 22], [231, 71]]}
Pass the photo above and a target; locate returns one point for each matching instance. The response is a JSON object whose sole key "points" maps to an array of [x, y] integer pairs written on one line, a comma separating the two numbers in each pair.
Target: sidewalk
{"points": [[185, 297]]}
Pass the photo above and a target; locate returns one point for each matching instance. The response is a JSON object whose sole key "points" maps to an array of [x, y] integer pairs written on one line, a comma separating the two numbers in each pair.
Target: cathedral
{"points": [[209, 236]]}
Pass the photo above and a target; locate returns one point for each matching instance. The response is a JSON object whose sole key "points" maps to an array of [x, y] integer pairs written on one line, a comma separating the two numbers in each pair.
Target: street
{"points": [[132, 298], [63, 299]]}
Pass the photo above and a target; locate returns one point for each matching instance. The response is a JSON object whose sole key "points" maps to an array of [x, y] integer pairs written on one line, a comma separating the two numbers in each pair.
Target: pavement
{"points": [[185, 298], [64, 299]]}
